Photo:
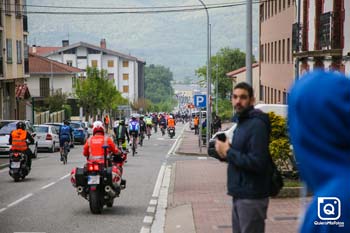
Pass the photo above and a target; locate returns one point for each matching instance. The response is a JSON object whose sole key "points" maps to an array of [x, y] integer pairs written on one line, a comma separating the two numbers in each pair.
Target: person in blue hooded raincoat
{"points": [[319, 125]]}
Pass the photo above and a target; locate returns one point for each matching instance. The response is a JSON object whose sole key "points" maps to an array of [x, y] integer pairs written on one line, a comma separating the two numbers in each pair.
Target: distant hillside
{"points": [[174, 40]]}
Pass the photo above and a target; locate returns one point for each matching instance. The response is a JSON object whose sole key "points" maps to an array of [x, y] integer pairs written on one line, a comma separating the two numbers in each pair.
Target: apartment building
{"points": [[126, 71], [324, 35], [275, 41], [14, 65]]}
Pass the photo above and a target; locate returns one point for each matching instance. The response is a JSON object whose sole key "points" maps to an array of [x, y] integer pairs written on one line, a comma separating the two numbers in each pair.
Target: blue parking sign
{"points": [[200, 101]]}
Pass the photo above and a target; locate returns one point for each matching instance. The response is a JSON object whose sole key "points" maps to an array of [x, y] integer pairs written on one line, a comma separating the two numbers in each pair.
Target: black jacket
{"points": [[124, 132], [249, 164]]}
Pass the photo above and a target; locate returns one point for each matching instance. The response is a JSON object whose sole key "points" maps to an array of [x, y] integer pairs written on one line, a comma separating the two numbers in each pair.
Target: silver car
{"points": [[6, 127], [48, 138]]}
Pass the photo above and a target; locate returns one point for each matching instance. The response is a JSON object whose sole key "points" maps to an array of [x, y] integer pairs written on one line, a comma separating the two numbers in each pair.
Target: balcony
{"points": [[25, 23]]}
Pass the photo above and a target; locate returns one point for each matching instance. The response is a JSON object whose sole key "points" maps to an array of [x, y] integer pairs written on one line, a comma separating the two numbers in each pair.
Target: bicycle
{"points": [[142, 136], [149, 128], [133, 148], [64, 153]]}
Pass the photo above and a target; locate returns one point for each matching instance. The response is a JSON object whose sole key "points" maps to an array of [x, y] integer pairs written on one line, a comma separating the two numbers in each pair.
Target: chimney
{"points": [[34, 48], [103, 43], [65, 43]]}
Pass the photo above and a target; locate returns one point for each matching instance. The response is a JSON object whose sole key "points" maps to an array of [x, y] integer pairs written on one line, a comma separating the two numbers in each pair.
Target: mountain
{"points": [[176, 40]]}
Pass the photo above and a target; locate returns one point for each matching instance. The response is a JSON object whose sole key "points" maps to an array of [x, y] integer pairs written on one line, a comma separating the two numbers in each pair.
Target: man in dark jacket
{"points": [[249, 164]]}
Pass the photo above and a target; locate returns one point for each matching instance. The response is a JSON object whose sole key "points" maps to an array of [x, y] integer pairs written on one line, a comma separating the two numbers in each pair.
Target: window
{"points": [[268, 8], [283, 50], [275, 7], [279, 51], [262, 53], [268, 52], [279, 5], [9, 50], [279, 96], [44, 87], [288, 3], [111, 76], [284, 97], [18, 9], [110, 63], [275, 51], [69, 62], [94, 63], [19, 51], [284, 4], [7, 7], [272, 8], [275, 97], [265, 53], [125, 76], [271, 52], [125, 63], [288, 50], [126, 89], [74, 82]]}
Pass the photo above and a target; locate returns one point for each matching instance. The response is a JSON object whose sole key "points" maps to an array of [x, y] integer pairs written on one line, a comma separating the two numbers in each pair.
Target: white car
{"points": [[48, 138], [6, 127]]}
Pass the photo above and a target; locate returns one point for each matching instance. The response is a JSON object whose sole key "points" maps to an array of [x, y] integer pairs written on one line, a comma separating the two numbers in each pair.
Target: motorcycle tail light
{"points": [[72, 176], [15, 154], [93, 167], [96, 167]]}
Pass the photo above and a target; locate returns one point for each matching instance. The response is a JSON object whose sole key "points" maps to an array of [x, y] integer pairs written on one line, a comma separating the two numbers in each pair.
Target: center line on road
{"points": [[19, 200], [48, 185], [2, 210], [64, 177]]}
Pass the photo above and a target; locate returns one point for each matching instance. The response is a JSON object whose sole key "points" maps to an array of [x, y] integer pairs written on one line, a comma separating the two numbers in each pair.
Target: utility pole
{"points": [[217, 85], [298, 44], [248, 56]]}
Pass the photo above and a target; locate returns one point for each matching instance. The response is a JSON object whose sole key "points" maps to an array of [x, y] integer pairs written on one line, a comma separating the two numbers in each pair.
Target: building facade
{"points": [[275, 41], [324, 35], [14, 64], [126, 71]]}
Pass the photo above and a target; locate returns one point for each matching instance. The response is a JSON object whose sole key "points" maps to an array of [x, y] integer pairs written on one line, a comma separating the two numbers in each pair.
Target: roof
{"points": [[87, 45], [43, 50], [22, 91], [39, 65], [240, 70]]}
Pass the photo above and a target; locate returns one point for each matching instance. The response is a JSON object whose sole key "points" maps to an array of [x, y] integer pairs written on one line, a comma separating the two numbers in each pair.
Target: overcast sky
{"points": [[174, 40]]}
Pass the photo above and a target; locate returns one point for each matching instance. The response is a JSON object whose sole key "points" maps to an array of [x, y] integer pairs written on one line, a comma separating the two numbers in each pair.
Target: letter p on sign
{"points": [[200, 101]]}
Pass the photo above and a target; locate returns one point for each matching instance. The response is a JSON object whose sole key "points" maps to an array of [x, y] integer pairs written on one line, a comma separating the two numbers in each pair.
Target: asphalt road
{"points": [[46, 201]]}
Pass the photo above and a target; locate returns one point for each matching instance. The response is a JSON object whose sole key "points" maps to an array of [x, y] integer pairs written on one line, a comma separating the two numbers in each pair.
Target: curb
{"points": [[4, 165], [190, 153]]}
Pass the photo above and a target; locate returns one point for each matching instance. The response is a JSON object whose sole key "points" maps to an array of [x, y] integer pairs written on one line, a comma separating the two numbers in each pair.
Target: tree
{"points": [[158, 87], [228, 60], [97, 92], [56, 101]]}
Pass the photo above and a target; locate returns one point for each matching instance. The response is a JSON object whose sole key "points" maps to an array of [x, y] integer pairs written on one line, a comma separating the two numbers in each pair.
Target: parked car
{"points": [[88, 127], [80, 131], [6, 127], [58, 126], [47, 136]]}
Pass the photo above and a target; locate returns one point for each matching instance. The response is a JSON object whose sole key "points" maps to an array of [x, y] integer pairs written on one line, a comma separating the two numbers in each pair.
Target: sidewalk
{"points": [[197, 201]]}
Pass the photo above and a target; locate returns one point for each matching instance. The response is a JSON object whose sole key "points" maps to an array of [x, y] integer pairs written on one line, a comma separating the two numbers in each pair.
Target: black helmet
{"points": [[21, 125], [121, 122]]}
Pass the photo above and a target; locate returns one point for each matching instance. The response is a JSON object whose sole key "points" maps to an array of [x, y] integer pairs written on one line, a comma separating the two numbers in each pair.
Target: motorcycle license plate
{"points": [[15, 164], [93, 179]]}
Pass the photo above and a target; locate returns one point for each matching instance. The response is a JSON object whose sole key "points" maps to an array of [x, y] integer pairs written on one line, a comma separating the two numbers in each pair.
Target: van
{"points": [[278, 109]]}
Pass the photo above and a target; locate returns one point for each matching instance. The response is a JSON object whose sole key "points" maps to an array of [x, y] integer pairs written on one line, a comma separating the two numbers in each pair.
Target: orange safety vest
{"points": [[94, 146], [196, 121], [19, 140], [171, 123]]}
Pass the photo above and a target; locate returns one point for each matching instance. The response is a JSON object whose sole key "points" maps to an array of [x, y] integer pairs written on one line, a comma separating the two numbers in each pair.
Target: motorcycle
{"points": [[171, 132], [18, 165], [99, 183]]}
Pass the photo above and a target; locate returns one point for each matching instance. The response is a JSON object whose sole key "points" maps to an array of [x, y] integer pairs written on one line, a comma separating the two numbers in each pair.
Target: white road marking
{"points": [[19, 200], [159, 181], [4, 170], [145, 230], [151, 209], [159, 219], [2, 210], [148, 219], [202, 158], [64, 177], [48, 185], [153, 202]]}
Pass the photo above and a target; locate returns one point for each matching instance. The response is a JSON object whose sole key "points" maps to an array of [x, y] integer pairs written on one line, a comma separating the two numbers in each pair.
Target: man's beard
{"points": [[240, 109]]}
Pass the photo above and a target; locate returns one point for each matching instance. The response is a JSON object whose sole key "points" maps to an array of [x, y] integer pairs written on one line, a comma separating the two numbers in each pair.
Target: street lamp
{"points": [[208, 75]]}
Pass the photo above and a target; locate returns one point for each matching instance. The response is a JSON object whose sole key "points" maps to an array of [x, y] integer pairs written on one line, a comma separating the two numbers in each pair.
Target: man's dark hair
{"points": [[245, 86]]}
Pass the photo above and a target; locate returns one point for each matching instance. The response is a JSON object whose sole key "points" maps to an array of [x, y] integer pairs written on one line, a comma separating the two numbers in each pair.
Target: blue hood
{"points": [[319, 126]]}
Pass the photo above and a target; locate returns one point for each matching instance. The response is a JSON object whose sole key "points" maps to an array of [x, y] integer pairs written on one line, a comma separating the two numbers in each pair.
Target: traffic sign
{"points": [[200, 101]]}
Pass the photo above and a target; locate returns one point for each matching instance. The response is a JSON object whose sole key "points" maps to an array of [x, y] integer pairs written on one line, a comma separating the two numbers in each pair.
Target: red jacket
{"points": [[93, 148]]}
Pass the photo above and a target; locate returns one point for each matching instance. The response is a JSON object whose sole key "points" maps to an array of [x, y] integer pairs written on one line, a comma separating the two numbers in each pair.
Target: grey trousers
{"points": [[248, 215]]}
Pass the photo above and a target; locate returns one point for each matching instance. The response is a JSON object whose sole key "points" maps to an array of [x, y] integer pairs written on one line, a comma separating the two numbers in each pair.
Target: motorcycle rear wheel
{"points": [[16, 177], [95, 202]]}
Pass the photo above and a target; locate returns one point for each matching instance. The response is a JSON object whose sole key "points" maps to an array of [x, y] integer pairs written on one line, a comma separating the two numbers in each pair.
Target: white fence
{"points": [[45, 117]]}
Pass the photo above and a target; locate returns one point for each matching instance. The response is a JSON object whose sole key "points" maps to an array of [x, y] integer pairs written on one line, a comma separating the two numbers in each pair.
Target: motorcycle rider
{"points": [[93, 148], [171, 123], [120, 132], [134, 129], [65, 135], [18, 141]]}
